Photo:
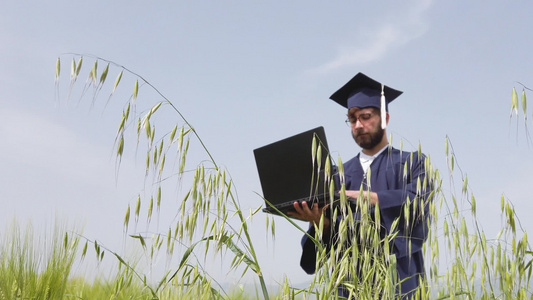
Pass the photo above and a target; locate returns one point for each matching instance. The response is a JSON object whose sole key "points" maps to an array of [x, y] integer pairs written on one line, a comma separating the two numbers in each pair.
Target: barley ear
{"points": [[92, 74], [514, 102], [136, 90], [117, 81], [78, 67], [127, 219], [103, 76], [58, 68]]}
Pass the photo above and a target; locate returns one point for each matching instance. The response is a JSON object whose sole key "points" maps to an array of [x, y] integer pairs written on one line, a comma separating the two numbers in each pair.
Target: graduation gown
{"points": [[394, 186]]}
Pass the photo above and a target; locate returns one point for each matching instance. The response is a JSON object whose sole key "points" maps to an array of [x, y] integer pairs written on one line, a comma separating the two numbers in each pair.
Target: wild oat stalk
{"points": [[205, 214], [209, 218], [480, 268], [515, 108]]}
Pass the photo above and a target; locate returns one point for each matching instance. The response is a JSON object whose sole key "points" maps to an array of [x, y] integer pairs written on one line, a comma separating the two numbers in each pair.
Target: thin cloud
{"points": [[372, 44], [381, 42]]}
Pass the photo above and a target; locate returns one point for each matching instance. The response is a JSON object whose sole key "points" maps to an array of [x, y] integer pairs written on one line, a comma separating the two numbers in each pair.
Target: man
{"points": [[393, 181]]}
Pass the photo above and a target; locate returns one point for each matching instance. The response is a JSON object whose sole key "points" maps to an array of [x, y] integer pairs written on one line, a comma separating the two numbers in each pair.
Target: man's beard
{"points": [[369, 140]]}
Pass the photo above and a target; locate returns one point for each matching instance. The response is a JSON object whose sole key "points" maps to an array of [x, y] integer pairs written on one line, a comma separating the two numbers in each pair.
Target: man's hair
{"points": [[374, 110]]}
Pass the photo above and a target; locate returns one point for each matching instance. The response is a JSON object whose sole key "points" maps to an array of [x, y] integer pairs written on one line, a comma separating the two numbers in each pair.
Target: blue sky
{"points": [[248, 73]]}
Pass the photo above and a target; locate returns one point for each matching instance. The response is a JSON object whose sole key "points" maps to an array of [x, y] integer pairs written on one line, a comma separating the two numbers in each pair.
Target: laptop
{"points": [[288, 174]]}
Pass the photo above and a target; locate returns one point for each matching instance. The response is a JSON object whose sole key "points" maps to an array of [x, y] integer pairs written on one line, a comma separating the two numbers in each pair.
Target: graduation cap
{"points": [[362, 91]]}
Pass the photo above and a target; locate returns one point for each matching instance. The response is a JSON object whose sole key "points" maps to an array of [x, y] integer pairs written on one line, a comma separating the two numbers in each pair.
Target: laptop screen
{"points": [[286, 169]]}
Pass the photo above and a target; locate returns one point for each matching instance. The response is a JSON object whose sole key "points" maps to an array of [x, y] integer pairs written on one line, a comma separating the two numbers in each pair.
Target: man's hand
{"points": [[310, 214], [371, 197]]}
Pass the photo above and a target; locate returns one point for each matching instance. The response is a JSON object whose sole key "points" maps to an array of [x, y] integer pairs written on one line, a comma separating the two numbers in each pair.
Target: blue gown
{"points": [[393, 185]]}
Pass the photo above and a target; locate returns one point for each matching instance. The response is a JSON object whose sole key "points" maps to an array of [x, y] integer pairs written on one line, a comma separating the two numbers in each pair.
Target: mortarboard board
{"points": [[362, 91]]}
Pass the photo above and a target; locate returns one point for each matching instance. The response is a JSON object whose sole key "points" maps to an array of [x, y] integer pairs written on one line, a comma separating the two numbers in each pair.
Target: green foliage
{"points": [[462, 262], [32, 268], [477, 267], [208, 214]]}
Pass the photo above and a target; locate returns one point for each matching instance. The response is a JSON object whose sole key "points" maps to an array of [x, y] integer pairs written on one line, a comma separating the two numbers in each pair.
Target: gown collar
{"points": [[366, 160]]}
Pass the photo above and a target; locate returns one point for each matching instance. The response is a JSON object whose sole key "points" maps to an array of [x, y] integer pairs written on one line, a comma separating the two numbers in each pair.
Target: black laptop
{"points": [[289, 172]]}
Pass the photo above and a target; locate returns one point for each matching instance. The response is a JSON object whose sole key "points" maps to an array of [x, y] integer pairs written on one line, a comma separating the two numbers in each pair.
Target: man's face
{"points": [[366, 127]]}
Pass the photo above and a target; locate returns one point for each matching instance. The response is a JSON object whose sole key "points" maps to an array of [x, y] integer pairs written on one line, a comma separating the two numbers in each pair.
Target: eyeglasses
{"points": [[364, 117]]}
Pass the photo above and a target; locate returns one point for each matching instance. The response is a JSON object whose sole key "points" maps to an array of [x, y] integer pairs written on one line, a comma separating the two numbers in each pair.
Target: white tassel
{"points": [[383, 108]]}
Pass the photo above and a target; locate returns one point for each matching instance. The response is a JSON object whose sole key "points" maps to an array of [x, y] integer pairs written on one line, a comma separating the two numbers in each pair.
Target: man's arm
{"points": [[370, 196]]}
